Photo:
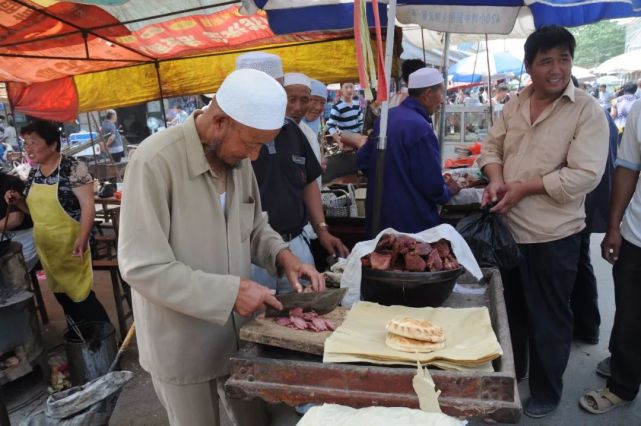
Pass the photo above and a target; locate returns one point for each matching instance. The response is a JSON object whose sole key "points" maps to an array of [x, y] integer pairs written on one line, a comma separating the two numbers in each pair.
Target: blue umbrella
{"points": [[474, 69], [457, 16]]}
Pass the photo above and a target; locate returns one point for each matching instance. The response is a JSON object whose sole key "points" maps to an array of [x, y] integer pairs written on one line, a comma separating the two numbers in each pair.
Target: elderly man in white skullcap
{"points": [[413, 182], [316, 109], [261, 61], [286, 170], [191, 224]]}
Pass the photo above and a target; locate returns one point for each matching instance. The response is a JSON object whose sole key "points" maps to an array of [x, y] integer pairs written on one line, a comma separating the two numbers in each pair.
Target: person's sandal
{"points": [[601, 401]]}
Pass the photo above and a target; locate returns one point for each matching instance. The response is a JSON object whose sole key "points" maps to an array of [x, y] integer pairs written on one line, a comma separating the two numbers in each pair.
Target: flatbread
{"points": [[405, 344], [417, 329]]}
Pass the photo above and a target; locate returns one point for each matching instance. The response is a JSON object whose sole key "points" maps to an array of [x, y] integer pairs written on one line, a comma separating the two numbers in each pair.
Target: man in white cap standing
{"points": [[314, 116], [413, 184], [268, 63], [191, 224], [286, 171]]}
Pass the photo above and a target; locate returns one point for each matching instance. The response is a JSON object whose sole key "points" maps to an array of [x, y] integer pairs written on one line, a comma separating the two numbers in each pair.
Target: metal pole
{"points": [[489, 80], [162, 97], [446, 65], [423, 44], [93, 146], [382, 136]]}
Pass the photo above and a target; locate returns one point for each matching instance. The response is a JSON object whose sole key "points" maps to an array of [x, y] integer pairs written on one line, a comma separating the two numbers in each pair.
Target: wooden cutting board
{"points": [[265, 331]]}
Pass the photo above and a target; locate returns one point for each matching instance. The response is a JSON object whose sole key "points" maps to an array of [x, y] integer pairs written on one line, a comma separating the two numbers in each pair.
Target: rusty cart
{"points": [[281, 370]]}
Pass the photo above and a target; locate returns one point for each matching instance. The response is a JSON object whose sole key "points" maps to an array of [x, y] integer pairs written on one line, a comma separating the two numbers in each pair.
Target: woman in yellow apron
{"points": [[59, 197]]}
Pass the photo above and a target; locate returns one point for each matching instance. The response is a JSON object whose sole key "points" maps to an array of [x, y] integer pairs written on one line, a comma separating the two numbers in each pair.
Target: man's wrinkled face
{"points": [[347, 91], [234, 142], [551, 71], [298, 97], [316, 108], [433, 98]]}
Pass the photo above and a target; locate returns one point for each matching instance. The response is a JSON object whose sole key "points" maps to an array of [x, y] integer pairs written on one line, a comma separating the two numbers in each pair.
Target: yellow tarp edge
{"points": [[328, 61]]}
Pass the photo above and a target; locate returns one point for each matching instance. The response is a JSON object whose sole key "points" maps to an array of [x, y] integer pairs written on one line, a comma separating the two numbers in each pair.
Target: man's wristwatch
{"points": [[322, 227]]}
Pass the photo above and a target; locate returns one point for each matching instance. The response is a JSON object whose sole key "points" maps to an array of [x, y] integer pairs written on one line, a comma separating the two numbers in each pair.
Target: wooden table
{"points": [[279, 375]]}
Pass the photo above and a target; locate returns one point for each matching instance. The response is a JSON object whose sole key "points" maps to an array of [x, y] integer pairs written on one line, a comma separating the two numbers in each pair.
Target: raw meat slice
{"points": [[443, 247], [380, 262], [308, 316], [319, 323], [330, 325], [434, 262], [296, 312], [422, 249], [386, 242], [284, 321], [298, 323], [450, 263], [414, 262]]}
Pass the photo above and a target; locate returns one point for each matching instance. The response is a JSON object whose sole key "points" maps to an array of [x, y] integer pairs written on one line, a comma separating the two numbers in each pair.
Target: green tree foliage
{"points": [[596, 43]]}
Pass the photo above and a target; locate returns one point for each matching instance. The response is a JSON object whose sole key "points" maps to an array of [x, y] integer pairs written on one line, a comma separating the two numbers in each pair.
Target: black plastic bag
{"points": [[490, 240]]}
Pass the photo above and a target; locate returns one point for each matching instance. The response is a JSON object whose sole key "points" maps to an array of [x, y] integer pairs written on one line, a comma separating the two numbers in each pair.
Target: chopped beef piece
{"points": [[330, 325], [443, 247], [305, 321], [434, 262], [404, 244], [308, 316], [380, 262], [386, 242], [284, 321], [422, 249], [319, 324], [296, 312], [414, 262], [298, 323], [450, 263], [366, 262]]}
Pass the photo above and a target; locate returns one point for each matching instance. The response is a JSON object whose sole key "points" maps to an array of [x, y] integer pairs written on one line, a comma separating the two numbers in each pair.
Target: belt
{"points": [[288, 237]]}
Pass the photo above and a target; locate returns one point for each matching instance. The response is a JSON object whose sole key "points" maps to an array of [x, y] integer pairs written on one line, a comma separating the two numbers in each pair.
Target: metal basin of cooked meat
{"points": [[403, 271]]}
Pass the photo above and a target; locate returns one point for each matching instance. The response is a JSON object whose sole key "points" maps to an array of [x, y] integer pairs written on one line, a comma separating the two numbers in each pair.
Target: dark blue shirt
{"points": [[413, 184], [597, 202]]}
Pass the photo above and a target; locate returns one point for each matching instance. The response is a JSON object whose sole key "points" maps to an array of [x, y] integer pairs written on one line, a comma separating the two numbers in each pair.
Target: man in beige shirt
{"points": [[542, 156], [191, 225]]}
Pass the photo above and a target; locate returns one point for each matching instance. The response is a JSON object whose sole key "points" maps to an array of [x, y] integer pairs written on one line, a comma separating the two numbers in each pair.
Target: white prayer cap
{"points": [[319, 89], [424, 77], [297, 78], [261, 61], [254, 99]]}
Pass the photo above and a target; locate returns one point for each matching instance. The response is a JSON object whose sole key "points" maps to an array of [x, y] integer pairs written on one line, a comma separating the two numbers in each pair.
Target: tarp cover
{"points": [[52, 73]]}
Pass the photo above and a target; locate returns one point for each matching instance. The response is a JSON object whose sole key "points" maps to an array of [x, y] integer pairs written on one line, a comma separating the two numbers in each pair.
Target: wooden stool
{"points": [[35, 287]]}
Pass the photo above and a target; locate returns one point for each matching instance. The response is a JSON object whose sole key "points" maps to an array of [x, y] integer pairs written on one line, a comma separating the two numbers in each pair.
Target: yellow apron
{"points": [[55, 233]]}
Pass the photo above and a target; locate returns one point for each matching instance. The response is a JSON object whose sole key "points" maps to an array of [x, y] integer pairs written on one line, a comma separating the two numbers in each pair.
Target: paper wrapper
{"points": [[470, 341], [340, 415], [352, 275]]}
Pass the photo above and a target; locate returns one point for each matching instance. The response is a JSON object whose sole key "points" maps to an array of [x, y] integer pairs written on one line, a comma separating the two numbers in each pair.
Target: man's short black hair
{"points": [[503, 88], [409, 66], [45, 130], [630, 88], [546, 38], [416, 93]]}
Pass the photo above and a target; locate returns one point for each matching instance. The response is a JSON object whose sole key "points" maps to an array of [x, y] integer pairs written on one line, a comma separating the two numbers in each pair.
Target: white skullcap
{"points": [[319, 89], [424, 77], [297, 78], [254, 99], [261, 61]]}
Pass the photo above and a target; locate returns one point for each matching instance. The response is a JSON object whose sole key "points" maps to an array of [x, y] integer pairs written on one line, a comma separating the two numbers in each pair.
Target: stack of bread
{"points": [[408, 334], [454, 339]]}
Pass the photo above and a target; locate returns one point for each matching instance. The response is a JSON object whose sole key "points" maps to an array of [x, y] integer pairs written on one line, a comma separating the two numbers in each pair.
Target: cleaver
{"points": [[321, 302]]}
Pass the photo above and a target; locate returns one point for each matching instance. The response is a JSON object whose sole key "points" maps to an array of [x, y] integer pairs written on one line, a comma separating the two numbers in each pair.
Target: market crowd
{"points": [[223, 210]]}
